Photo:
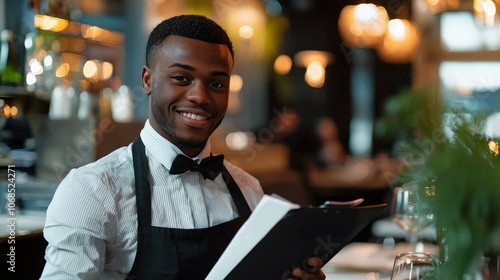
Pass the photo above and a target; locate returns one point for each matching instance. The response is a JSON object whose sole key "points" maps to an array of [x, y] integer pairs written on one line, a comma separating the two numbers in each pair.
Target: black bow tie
{"points": [[209, 167]]}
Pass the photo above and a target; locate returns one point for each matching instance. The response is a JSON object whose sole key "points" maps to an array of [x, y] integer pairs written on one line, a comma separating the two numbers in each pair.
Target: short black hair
{"points": [[190, 26]]}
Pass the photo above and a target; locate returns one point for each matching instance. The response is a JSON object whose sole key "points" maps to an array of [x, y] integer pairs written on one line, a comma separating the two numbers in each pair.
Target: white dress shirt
{"points": [[91, 223]]}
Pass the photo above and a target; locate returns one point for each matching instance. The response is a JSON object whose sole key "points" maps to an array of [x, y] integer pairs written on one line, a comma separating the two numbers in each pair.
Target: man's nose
{"points": [[198, 94]]}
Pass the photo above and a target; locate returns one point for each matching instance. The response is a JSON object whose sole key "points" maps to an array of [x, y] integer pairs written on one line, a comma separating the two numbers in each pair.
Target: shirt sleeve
{"points": [[78, 225]]}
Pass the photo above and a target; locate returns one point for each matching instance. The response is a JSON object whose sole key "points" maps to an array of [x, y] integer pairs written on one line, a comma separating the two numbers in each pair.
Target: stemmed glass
{"points": [[412, 213], [413, 266]]}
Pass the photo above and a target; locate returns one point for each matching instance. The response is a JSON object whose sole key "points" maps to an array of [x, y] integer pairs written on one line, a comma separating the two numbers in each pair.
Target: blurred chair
{"points": [[358, 178]]}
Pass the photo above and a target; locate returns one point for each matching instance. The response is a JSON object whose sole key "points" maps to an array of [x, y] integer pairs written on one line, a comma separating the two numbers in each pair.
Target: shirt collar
{"points": [[164, 150]]}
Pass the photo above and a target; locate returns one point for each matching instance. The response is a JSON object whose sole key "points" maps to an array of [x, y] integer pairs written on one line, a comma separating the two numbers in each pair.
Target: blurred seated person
{"points": [[334, 166], [331, 152], [293, 131]]}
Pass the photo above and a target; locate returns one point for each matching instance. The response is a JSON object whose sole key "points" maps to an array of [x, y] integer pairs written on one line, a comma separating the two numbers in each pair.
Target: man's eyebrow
{"points": [[191, 68], [221, 73], [184, 66]]}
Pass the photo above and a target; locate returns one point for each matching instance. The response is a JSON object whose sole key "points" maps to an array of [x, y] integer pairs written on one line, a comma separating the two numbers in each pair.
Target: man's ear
{"points": [[146, 79]]}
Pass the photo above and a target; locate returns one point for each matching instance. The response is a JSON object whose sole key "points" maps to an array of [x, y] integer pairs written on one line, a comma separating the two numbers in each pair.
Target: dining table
{"points": [[367, 261]]}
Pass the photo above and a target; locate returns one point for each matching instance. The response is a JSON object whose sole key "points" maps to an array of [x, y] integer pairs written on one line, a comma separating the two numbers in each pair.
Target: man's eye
{"points": [[180, 78], [217, 85]]}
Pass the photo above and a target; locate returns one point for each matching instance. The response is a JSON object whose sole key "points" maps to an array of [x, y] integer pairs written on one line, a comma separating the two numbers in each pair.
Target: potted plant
{"points": [[458, 169]]}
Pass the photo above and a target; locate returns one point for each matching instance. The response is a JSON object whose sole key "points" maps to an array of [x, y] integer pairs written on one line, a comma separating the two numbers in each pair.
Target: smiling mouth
{"points": [[193, 116]]}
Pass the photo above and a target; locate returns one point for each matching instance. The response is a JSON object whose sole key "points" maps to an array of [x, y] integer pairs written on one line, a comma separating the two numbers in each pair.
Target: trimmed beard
{"points": [[168, 126]]}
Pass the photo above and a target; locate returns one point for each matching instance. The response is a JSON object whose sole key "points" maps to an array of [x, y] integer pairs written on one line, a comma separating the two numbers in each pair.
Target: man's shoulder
{"points": [[100, 180], [108, 164]]}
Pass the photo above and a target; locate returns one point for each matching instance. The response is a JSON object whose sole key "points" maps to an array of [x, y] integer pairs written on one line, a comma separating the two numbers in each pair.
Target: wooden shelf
{"points": [[14, 92]]}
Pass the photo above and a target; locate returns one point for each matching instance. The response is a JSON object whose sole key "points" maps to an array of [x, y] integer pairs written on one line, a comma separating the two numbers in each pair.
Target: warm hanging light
{"points": [[400, 42], [283, 64], [485, 11], [363, 25], [235, 87], [438, 6], [315, 63]]}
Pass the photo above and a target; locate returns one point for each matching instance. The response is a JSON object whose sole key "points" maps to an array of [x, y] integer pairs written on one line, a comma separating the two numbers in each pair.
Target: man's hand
{"points": [[313, 272]]}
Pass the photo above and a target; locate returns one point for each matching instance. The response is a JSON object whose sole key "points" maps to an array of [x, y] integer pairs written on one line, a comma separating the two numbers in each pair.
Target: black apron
{"points": [[170, 253]]}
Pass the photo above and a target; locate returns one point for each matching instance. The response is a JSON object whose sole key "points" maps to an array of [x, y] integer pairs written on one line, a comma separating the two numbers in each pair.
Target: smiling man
{"points": [[164, 207], [188, 84]]}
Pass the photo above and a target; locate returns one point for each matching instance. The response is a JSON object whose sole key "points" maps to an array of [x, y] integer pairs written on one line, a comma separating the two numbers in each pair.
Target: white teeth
{"points": [[193, 116]]}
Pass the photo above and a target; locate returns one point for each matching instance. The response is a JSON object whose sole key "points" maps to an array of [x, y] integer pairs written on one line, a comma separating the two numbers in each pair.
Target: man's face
{"points": [[188, 84]]}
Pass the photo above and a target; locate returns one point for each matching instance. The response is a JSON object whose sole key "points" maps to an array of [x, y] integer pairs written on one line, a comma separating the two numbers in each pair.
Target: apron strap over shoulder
{"points": [[236, 194], [142, 186]]}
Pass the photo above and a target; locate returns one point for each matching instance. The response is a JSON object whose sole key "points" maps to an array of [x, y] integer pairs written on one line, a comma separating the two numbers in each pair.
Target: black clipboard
{"points": [[302, 233]]}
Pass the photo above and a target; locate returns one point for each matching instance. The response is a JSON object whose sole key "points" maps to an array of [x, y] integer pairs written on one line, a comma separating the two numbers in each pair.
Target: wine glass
{"points": [[411, 212], [413, 266]]}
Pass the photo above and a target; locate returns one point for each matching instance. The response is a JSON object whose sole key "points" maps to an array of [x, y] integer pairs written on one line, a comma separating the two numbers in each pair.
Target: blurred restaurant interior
{"points": [[310, 77]]}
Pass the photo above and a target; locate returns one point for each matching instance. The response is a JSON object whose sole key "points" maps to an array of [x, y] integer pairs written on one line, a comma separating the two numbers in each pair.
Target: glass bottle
{"points": [[10, 69]]}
